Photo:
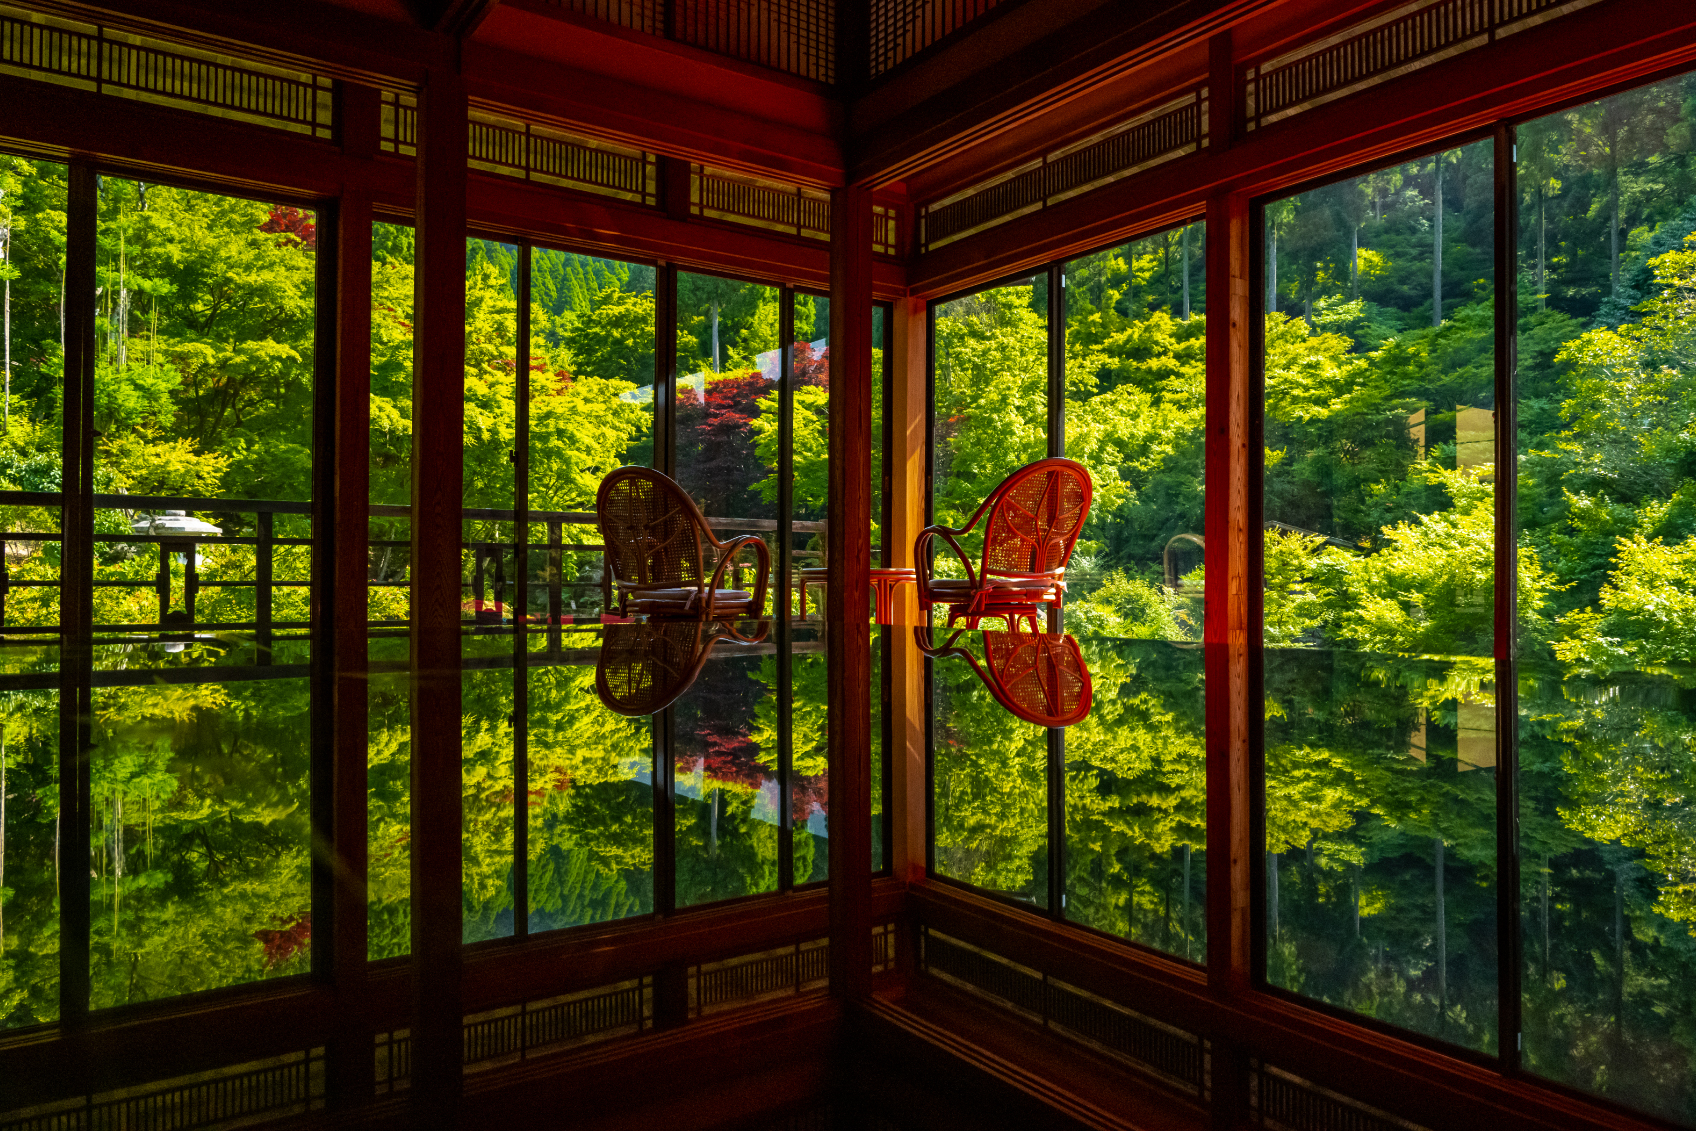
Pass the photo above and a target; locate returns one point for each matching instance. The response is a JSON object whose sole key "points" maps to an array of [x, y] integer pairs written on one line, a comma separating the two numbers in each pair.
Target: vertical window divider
{"points": [[785, 568], [1056, 735], [665, 461], [886, 633], [1251, 372], [345, 457], [665, 369], [930, 512], [327, 610], [1509, 1001], [521, 601], [76, 608]]}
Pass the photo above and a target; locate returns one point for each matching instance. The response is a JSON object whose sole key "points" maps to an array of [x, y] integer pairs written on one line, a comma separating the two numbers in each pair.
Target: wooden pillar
{"points": [[438, 377], [76, 608], [906, 518], [848, 634], [348, 523], [1233, 541]]}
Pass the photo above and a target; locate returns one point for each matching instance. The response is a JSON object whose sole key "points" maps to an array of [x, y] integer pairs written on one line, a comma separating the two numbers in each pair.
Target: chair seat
{"points": [[1023, 586], [686, 600]]}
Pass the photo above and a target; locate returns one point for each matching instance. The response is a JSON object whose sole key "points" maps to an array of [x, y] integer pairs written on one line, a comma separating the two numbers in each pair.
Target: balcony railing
{"points": [[488, 590]]}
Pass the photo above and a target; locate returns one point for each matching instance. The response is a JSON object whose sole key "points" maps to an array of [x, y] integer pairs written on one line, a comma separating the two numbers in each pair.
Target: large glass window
{"points": [[558, 808], [1112, 808], [1136, 782], [32, 262], [1380, 745], [388, 597], [1607, 569], [200, 837]]}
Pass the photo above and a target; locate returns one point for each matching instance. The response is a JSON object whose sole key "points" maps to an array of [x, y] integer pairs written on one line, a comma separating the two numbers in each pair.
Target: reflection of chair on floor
{"points": [[1041, 677], [644, 667], [1033, 521], [656, 546]]}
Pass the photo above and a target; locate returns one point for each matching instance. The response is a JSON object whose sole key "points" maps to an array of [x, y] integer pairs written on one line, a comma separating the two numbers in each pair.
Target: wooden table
{"points": [[883, 582]]}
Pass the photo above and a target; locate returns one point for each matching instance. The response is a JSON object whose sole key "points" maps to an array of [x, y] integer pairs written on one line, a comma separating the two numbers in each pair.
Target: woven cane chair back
{"points": [[651, 529], [644, 667], [1035, 518], [1041, 678]]}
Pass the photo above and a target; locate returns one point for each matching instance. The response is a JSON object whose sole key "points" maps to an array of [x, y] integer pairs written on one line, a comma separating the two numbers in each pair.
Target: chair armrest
{"points": [[921, 563], [728, 550]]}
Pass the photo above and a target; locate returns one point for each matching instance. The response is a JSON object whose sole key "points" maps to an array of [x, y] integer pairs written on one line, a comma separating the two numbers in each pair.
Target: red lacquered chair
{"points": [[1033, 520], [1038, 676], [656, 547]]}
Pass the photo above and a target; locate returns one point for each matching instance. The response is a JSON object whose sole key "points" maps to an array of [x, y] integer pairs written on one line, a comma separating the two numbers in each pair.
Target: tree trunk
{"points": [[1272, 273], [2, 837], [1542, 250], [5, 265], [1545, 919], [1437, 245], [1442, 936], [1186, 888], [1354, 262], [1613, 228], [715, 335], [1272, 892], [1186, 256], [1619, 950]]}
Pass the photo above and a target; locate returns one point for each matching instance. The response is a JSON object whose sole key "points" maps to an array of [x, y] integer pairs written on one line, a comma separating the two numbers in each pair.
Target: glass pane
{"points": [[1379, 595], [881, 720], [591, 801], [591, 410], [1607, 259], [32, 241], [32, 254], [486, 777], [727, 404], [809, 790], [388, 800], [990, 787], [200, 838], [809, 799], [991, 400], [1136, 796], [29, 837], [488, 750], [881, 557], [880, 470], [203, 398], [389, 784], [726, 785]]}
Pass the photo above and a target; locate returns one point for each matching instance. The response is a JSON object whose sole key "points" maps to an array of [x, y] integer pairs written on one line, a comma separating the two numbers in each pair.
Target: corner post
{"points": [[906, 518], [1229, 624], [848, 636], [437, 474]]}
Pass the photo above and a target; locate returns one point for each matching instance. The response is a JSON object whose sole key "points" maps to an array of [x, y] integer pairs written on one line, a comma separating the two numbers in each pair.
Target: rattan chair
{"points": [[1033, 521], [657, 547], [646, 666], [1040, 677]]}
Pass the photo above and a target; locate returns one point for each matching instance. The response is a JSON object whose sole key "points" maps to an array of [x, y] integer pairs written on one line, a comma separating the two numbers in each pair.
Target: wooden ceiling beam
{"points": [[1623, 42], [458, 18], [648, 92], [352, 41], [1040, 55]]}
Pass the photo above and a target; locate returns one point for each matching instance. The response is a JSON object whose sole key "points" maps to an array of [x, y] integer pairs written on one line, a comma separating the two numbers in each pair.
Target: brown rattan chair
{"points": [[657, 546], [646, 666], [1034, 519]]}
